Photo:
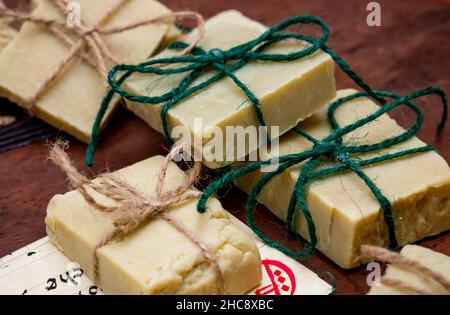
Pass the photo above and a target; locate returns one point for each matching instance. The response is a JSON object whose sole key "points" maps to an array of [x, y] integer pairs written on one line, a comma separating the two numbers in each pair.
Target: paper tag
{"points": [[40, 268], [283, 275]]}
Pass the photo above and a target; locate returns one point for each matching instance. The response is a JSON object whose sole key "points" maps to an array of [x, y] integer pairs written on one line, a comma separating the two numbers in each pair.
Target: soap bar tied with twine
{"points": [[89, 44], [226, 62], [385, 256], [132, 207], [345, 159]]}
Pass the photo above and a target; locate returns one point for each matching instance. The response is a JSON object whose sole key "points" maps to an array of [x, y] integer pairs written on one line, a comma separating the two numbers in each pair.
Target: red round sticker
{"points": [[282, 279]]}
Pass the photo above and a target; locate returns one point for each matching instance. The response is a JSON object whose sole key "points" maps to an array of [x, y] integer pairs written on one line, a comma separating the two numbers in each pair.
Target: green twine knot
{"points": [[345, 159], [225, 63], [218, 56], [326, 147], [331, 149]]}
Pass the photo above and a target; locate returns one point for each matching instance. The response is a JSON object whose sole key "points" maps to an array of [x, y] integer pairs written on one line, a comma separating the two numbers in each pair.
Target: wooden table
{"points": [[411, 50]]}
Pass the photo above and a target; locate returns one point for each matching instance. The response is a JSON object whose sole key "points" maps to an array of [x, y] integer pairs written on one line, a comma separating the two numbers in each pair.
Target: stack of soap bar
{"points": [[345, 212], [288, 91], [434, 261], [156, 258], [72, 101]]}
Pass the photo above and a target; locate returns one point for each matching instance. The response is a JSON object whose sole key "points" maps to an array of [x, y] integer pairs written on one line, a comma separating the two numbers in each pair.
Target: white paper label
{"points": [[40, 268]]}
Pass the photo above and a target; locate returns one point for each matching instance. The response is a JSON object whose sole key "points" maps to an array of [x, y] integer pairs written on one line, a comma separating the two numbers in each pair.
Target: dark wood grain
{"points": [[410, 50]]}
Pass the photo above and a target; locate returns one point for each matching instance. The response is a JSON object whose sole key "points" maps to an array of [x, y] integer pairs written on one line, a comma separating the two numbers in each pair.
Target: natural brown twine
{"points": [[386, 256], [133, 207], [89, 44]]}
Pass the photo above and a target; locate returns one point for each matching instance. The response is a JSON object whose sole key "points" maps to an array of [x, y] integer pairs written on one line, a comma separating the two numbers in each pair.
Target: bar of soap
{"points": [[345, 212], [288, 91], [72, 101], [434, 261], [156, 258]]}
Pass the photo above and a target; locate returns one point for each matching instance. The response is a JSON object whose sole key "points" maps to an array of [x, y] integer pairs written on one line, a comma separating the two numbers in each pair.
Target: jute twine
{"points": [[386, 256], [132, 207], [89, 44]]}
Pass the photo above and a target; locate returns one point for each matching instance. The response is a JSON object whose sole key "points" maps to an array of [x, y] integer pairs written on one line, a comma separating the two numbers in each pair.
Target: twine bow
{"points": [[386, 256], [89, 43], [226, 62], [331, 148], [132, 207]]}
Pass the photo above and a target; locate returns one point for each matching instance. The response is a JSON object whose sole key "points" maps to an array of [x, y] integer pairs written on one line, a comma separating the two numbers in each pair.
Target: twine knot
{"points": [[327, 148], [333, 150], [133, 207], [87, 41], [218, 56]]}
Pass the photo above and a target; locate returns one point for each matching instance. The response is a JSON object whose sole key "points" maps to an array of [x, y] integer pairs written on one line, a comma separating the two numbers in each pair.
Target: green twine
{"points": [[333, 148], [332, 282], [226, 62]]}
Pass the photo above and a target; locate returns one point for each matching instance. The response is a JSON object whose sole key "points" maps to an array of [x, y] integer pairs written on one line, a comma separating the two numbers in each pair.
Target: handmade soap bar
{"points": [[288, 91], [156, 258], [72, 101], [434, 261], [345, 212]]}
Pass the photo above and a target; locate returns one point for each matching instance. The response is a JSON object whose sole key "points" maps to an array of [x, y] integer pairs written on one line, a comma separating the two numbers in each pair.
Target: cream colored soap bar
{"points": [[345, 212], [156, 258], [434, 261], [72, 101], [288, 91]]}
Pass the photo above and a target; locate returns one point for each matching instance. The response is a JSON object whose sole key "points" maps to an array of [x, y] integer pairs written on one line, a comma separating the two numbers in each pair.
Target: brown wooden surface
{"points": [[410, 50]]}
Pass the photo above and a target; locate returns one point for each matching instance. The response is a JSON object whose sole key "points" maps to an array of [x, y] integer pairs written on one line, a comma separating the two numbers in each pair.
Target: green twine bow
{"points": [[226, 62], [333, 148]]}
